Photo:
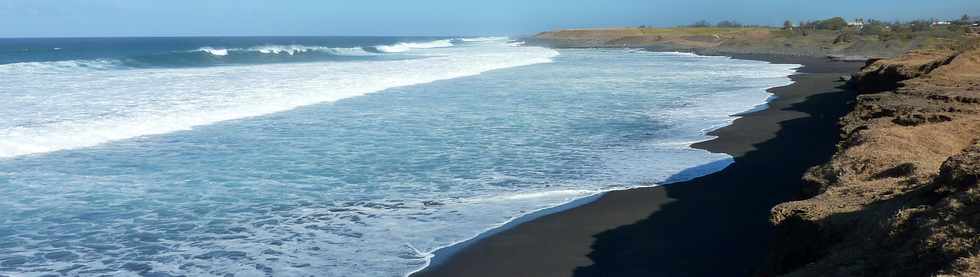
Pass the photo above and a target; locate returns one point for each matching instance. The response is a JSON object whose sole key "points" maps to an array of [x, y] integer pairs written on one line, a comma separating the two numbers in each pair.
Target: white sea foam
{"points": [[407, 46], [297, 49], [82, 108], [562, 194], [683, 54], [214, 51], [58, 67], [292, 49]]}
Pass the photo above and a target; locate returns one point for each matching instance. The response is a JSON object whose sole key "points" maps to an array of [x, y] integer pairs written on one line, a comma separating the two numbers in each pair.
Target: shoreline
{"points": [[487, 253], [442, 254], [445, 253]]}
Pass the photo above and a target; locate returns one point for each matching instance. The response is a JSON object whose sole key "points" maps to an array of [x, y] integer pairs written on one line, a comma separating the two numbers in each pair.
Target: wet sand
{"points": [[716, 225]]}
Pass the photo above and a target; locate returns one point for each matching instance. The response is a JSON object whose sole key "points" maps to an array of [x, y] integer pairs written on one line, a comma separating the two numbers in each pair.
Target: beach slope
{"points": [[712, 226]]}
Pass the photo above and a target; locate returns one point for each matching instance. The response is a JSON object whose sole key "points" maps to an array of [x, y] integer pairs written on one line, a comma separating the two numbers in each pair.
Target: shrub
{"points": [[874, 27], [920, 26], [836, 23], [887, 36], [844, 37]]}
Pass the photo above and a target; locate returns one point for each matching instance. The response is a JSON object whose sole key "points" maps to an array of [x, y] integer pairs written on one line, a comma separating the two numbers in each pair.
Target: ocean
{"points": [[329, 156]]}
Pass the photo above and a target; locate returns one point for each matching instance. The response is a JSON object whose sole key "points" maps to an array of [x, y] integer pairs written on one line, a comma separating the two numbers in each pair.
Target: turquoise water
{"points": [[325, 167]]}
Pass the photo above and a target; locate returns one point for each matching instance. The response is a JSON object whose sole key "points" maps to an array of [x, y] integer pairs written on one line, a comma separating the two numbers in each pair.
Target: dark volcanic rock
{"points": [[961, 171]]}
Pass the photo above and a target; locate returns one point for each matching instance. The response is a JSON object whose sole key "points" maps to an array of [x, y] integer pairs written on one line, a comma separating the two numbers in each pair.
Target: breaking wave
{"points": [[290, 50], [263, 54], [150, 100], [213, 51], [408, 46], [61, 66]]}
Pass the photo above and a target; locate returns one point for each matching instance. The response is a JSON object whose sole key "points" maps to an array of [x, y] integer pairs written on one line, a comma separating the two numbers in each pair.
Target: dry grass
{"points": [[919, 222], [756, 40]]}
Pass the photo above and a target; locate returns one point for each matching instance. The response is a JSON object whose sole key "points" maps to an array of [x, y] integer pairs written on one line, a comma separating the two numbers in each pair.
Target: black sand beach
{"points": [[716, 225]]}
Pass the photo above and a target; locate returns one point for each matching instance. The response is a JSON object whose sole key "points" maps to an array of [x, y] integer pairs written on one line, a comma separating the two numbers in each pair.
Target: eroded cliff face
{"points": [[882, 75], [901, 196]]}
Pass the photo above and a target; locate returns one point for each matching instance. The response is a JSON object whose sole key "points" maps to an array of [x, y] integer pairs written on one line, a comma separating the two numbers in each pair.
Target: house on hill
{"points": [[857, 24]]}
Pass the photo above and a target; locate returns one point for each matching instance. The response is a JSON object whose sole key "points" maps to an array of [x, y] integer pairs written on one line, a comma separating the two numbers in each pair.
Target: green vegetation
{"points": [[836, 23], [874, 28], [821, 37], [833, 35], [860, 37], [875, 36], [864, 27]]}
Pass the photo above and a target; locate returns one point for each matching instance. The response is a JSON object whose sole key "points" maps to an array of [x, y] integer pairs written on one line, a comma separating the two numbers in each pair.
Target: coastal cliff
{"points": [[890, 190], [900, 197]]}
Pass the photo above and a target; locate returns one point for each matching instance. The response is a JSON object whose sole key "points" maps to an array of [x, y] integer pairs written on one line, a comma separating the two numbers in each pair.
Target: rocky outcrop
{"points": [[900, 197], [960, 173], [887, 74]]}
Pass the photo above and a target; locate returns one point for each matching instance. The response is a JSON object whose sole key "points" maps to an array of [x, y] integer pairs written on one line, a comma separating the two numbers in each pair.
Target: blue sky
{"points": [[57, 18]]}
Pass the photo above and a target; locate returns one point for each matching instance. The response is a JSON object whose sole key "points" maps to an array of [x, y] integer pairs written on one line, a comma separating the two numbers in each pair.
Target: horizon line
{"points": [[247, 36]]}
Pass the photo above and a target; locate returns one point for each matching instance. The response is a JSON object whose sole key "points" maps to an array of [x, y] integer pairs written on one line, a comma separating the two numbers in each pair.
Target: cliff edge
{"points": [[901, 195]]}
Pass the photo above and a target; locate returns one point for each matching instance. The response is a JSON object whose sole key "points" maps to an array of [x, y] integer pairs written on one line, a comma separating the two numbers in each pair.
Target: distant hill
{"points": [[846, 42]]}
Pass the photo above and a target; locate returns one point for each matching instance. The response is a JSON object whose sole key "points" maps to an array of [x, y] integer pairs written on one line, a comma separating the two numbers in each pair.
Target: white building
{"points": [[856, 24]]}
